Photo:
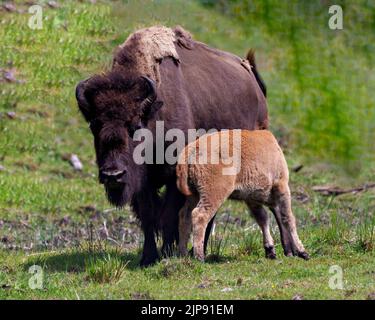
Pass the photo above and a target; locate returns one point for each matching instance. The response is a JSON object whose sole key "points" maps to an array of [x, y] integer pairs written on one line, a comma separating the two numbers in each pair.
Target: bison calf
{"points": [[249, 166]]}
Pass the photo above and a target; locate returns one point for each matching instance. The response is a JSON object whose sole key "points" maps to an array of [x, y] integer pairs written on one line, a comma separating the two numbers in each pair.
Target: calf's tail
{"points": [[182, 178]]}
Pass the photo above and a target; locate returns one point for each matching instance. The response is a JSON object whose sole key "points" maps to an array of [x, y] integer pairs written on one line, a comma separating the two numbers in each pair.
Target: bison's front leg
{"points": [[145, 205], [173, 202]]}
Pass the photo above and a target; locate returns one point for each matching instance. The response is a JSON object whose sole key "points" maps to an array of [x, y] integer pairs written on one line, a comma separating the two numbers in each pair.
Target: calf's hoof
{"points": [[288, 254], [290, 250], [270, 253], [304, 255], [201, 259]]}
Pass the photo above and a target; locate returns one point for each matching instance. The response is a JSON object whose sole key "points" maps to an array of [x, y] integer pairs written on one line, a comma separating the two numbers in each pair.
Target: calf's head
{"points": [[115, 107]]}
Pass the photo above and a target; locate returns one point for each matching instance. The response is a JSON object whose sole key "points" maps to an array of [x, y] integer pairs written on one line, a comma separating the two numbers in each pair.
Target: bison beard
{"points": [[117, 195], [160, 74]]}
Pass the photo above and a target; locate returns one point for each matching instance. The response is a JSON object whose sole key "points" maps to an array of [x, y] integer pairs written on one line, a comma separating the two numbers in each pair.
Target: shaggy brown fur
{"points": [[162, 74], [261, 179], [152, 45]]}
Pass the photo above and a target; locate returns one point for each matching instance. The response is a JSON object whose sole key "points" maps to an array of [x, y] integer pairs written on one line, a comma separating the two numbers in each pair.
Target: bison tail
{"points": [[251, 58], [182, 178]]}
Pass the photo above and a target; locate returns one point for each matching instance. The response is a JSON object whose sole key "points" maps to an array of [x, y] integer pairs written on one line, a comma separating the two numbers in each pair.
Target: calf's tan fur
{"points": [[259, 177]]}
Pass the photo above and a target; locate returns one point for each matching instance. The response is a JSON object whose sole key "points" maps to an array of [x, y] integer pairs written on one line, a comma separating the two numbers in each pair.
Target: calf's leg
{"points": [[206, 236], [201, 216], [286, 240], [213, 191], [283, 202], [208, 232], [185, 225], [261, 217]]}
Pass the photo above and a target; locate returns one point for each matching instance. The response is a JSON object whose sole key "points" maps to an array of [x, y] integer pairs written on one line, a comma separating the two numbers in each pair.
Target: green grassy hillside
{"points": [[321, 81], [321, 107]]}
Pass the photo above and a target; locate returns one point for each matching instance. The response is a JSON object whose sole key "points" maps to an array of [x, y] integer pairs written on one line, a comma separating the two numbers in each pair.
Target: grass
{"points": [[320, 80], [108, 269], [321, 108]]}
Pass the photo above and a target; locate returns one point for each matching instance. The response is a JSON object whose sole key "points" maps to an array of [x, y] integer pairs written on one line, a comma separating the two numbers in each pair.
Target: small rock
{"points": [[226, 290], [371, 296], [10, 76], [75, 162], [10, 7], [4, 239], [2, 168], [11, 114], [6, 286], [297, 297], [53, 4]]}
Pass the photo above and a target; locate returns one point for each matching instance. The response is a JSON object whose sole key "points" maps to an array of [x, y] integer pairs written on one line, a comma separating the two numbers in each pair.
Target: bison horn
{"points": [[152, 91], [81, 98]]}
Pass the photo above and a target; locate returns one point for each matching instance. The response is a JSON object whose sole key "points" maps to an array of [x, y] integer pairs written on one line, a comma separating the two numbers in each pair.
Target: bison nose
{"points": [[111, 176]]}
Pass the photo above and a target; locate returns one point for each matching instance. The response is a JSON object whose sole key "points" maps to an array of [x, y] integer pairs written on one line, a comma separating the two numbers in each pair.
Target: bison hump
{"points": [[144, 49]]}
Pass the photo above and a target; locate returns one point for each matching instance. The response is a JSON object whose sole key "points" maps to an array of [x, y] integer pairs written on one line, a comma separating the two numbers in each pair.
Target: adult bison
{"points": [[162, 74]]}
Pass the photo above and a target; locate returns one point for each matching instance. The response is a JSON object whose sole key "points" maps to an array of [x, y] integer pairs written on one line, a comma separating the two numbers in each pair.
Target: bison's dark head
{"points": [[115, 107]]}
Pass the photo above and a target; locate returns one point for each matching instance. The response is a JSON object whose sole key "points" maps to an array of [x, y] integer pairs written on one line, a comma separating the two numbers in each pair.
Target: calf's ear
{"points": [[83, 104]]}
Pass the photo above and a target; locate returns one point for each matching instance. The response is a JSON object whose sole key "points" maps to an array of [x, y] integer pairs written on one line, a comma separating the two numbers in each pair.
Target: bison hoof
{"points": [[147, 261], [270, 253], [304, 255]]}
